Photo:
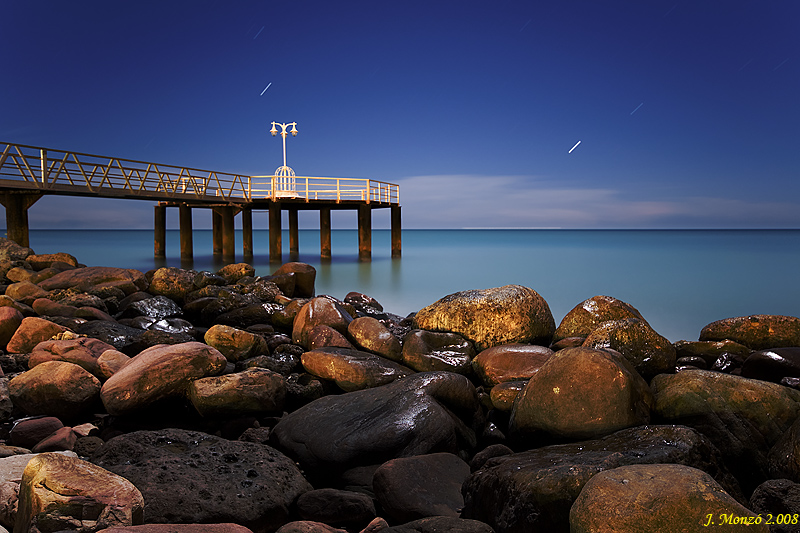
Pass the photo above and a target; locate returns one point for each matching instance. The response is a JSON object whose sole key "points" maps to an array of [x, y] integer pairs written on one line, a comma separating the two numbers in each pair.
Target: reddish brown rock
{"points": [[25, 292], [32, 331], [510, 362], [589, 314], [110, 362], [353, 369], [47, 307], [319, 311], [236, 271], [29, 432], [757, 332], [304, 275], [10, 320], [255, 391], [55, 388], [82, 351], [504, 394], [180, 528], [62, 439], [372, 336], [42, 261], [88, 279], [325, 336]]}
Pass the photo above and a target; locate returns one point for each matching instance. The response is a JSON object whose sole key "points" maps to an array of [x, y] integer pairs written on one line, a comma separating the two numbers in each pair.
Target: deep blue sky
{"points": [[687, 111]]}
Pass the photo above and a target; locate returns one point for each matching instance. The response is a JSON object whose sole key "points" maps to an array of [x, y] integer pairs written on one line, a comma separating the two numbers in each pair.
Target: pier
{"points": [[29, 172]]}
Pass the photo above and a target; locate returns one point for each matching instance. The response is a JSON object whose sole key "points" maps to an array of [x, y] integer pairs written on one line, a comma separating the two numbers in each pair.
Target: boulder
{"points": [[427, 351], [319, 311], [235, 344], [588, 315], [439, 524], [534, 490], [236, 271], [784, 457], [43, 261], [352, 369], [772, 365], [157, 373], [6, 405], [657, 497], [181, 528], [10, 320], [649, 353], [744, 417], [89, 279], [55, 388], [59, 492], [416, 415], [336, 507], [581, 393], [255, 391], [309, 526], [491, 317], [249, 315], [117, 335], [710, 351], [32, 331], [62, 439], [174, 283], [372, 336], [510, 362], [410, 488], [156, 307], [304, 278], [20, 273], [110, 362], [82, 351], [193, 477], [326, 337], [503, 395], [777, 497], [11, 251], [28, 432], [25, 292], [757, 332]]}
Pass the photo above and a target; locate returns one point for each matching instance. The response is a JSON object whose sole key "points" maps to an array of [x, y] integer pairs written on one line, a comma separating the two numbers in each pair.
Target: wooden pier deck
{"points": [[29, 172]]}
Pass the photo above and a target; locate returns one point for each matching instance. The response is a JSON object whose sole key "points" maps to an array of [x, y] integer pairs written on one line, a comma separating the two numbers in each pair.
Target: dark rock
{"points": [[364, 304], [336, 507], [728, 362], [510, 362], [304, 274], [62, 439], [427, 351], [773, 365], [174, 283], [534, 490], [777, 497], [117, 335], [173, 325], [495, 450], [440, 524], [420, 414], [204, 279], [154, 337], [696, 362], [234, 272], [491, 317], [302, 389], [156, 307], [784, 457], [410, 488], [11, 251], [743, 417], [28, 432], [757, 332], [86, 446], [192, 477], [709, 350], [249, 315]]}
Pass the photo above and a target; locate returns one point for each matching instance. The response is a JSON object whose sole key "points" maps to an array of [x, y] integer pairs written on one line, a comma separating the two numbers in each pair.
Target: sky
{"points": [[687, 111]]}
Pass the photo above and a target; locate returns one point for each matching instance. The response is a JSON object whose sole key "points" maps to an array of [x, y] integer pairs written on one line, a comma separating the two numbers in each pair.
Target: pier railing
{"points": [[57, 171]]}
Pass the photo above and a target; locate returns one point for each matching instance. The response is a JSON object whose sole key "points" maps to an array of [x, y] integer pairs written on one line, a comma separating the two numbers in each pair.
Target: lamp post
{"points": [[284, 170]]}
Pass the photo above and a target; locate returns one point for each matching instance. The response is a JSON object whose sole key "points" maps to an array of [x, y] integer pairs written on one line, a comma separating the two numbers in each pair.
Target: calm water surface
{"points": [[680, 280]]}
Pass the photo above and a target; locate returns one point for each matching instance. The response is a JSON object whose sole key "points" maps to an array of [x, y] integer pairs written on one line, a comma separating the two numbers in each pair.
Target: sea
{"points": [[680, 280]]}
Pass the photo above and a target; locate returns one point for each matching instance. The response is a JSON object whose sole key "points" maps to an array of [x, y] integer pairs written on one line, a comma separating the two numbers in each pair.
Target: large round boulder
{"points": [[510, 362], [174, 283], [82, 351], [32, 331], [370, 335], [490, 317], [757, 332], [88, 279], [235, 344], [426, 351], [352, 370], [581, 393], [55, 388], [319, 311], [589, 314], [255, 391]]}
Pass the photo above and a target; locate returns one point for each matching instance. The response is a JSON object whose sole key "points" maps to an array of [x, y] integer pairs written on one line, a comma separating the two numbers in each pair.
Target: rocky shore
{"points": [[180, 401]]}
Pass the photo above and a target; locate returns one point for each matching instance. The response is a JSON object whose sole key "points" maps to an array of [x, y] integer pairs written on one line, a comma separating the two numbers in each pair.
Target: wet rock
{"points": [[308, 526], [372, 336], [174, 283], [325, 336], [59, 492], [649, 352], [11, 251], [235, 344], [784, 457], [157, 373], [255, 391], [757, 332], [710, 351], [173, 325], [117, 335], [25, 292], [303, 388], [655, 497], [744, 418], [82, 351], [440, 524], [46, 307], [581, 393], [284, 318], [6, 405], [154, 337], [777, 497], [88, 279], [304, 278], [352, 369], [420, 414], [427, 351], [588, 315], [225, 303], [504, 395], [336, 507], [180, 528], [42, 261], [193, 477], [319, 311], [410, 488], [63, 439], [284, 362], [156, 307], [495, 450], [55, 388], [236, 271], [773, 365], [10, 320], [510, 362], [491, 317], [28, 432], [729, 363], [534, 490], [249, 315], [364, 304]]}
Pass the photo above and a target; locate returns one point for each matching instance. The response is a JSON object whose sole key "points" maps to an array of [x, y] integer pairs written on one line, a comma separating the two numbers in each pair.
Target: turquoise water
{"points": [[680, 280]]}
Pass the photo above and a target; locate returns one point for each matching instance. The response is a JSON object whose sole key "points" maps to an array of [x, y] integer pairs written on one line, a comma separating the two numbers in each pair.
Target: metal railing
{"points": [[57, 171]]}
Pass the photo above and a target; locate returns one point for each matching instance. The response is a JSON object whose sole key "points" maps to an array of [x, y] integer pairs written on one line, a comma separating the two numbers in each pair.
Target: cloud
{"points": [[459, 201]]}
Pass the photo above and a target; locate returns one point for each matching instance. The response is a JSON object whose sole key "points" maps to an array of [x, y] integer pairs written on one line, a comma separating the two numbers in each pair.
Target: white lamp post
{"points": [[284, 170]]}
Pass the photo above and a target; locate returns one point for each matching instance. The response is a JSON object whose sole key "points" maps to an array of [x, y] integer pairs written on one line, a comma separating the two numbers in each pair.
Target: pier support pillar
{"points": [[228, 233], [160, 231], [17, 215], [185, 220], [216, 231], [294, 235], [325, 233], [397, 239], [364, 233], [275, 244], [247, 232]]}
